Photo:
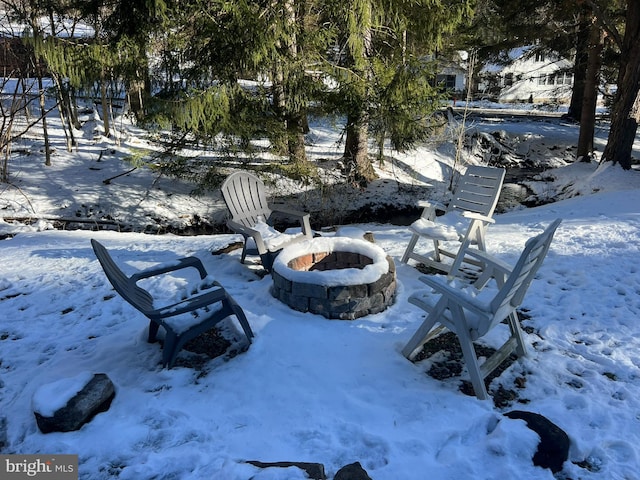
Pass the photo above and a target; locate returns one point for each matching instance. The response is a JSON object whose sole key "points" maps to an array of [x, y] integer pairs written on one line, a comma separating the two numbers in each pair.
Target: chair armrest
{"points": [[429, 208], [289, 211], [191, 303], [170, 267], [248, 232], [494, 268], [490, 260], [477, 216], [453, 293], [431, 204], [302, 217]]}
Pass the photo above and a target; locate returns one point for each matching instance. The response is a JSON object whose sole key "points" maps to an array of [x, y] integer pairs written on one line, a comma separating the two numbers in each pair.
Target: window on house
{"points": [[567, 78], [448, 82], [540, 57], [508, 79]]}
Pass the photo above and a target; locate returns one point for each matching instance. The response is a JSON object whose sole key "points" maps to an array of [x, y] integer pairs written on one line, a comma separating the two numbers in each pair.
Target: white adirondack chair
{"points": [[252, 217], [472, 314], [465, 220]]}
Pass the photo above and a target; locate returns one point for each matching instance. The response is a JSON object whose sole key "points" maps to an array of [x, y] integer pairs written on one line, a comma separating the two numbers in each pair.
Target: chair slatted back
{"points": [[137, 296], [512, 293], [245, 197], [479, 190]]}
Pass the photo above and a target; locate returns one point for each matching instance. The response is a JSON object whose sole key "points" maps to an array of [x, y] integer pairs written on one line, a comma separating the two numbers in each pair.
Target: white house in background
{"points": [[452, 72], [530, 77]]}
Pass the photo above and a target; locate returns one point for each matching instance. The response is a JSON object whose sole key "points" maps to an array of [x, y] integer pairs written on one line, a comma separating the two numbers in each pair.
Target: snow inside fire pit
{"points": [[338, 277]]}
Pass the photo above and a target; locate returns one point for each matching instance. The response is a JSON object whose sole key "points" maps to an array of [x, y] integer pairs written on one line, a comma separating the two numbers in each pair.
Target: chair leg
{"points": [[459, 259], [409, 250], [422, 334], [153, 331], [436, 251], [468, 352], [242, 318], [267, 259], [471, 361], [419, 338], [516, 331], [480, 237], [169, 349], [244, 249]]}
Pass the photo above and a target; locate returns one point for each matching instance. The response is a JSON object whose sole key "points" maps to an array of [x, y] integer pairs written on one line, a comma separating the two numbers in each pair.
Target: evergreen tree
{"points": [[589, 99], [131, 25], [379, 64], [79, 63], [373, 52], [220, 46]]}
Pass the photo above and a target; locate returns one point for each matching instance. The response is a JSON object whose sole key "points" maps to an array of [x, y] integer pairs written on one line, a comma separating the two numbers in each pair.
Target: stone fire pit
{"points": [[338, 277]]}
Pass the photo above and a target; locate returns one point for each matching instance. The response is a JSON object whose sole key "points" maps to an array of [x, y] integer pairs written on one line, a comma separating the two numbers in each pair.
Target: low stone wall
{"points": [[343, 302]]}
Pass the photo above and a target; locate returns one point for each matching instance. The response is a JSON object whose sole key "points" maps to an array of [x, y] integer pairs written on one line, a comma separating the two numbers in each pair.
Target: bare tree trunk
{"points": [[43, 113], [623, 122], [105, 105], [5, 136], [27, 110], [73, 107], [581, 64], [20, 105], [635, 110], [65, 116], [356, 150], [6, 127], [297, 124], [65, 119], [38, 68], [590, 97], [136, 96], [279, 105], [70, 105], [295, 138]]}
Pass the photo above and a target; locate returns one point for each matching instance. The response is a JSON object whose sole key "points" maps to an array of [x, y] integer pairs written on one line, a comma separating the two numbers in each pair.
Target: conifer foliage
{"points": [[227, 73], [251, 69]]}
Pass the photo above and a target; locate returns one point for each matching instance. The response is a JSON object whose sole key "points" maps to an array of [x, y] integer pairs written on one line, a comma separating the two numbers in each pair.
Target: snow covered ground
{"points": [[310, 389]]}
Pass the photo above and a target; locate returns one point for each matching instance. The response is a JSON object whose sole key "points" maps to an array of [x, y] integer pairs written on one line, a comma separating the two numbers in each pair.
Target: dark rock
{"points": [[314, 471], [353, 471], [553, 449], [95, 397]]}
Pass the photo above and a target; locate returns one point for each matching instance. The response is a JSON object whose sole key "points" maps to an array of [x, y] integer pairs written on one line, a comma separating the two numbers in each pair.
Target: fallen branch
{"points": [[107, 181]]}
